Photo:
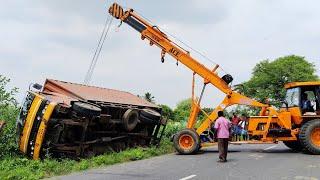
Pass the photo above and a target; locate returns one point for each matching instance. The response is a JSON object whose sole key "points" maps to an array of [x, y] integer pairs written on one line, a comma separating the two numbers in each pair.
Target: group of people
{"points": [[239, 127], [224, 129]]}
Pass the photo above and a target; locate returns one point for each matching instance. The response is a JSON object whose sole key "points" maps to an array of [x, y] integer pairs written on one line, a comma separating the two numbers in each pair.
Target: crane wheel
{"points": [[186, 141], [310, 136], [294, 145]]}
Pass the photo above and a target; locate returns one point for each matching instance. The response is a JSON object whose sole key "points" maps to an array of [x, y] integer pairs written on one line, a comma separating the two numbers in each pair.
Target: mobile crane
{"points": [[289, 124]]}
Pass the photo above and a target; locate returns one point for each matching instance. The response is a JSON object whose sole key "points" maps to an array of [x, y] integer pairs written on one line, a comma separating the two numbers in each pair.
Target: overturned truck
{"points": [[73, 120]]}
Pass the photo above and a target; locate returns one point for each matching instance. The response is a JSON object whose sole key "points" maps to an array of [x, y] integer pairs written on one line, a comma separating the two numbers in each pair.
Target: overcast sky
{"points": [[56, 39]]}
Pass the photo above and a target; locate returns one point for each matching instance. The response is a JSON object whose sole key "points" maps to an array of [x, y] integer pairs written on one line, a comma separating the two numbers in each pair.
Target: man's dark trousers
{"points": [[223, 148]]}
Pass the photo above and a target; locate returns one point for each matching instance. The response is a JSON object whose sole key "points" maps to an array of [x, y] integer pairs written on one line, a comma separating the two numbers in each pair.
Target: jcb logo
{"points": [[175, 52]]}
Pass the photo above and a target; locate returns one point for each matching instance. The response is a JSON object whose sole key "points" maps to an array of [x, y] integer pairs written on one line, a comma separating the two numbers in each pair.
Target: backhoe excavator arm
{"points": [[160, 39]]}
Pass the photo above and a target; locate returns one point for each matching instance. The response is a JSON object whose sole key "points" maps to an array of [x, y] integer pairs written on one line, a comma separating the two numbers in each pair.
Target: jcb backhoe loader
{"points": [[297, 127]]}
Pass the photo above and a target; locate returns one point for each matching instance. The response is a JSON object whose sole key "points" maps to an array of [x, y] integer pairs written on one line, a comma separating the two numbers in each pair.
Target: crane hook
{"points": [[120, 24], [163, 54]]}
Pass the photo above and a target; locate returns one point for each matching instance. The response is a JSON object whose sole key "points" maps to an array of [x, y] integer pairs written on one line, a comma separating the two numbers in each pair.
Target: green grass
{"points": [[19, 167]]}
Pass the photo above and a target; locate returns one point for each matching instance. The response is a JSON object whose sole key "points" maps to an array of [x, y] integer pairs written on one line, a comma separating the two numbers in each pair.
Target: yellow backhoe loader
{"points": [[298, 127]]}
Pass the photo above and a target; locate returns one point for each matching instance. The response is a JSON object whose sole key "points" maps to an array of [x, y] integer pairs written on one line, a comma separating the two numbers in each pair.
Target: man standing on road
{"points": [[222, 127]]}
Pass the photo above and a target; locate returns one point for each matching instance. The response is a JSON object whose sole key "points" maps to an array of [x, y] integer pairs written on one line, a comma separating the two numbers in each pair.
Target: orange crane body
{"points": [[187, 141]]}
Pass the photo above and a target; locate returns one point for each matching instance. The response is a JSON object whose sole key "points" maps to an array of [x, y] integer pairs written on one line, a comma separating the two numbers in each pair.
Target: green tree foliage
{"points": [[182, 110], [269, 77], [8, 113], [167, 112]]}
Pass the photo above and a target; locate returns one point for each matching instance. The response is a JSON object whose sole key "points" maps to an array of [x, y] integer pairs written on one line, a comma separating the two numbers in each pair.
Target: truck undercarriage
{"points": [[56, 125]]}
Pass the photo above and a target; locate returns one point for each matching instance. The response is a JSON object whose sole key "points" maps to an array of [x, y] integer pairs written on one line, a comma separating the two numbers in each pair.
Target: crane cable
{"points": [[97, 52]]}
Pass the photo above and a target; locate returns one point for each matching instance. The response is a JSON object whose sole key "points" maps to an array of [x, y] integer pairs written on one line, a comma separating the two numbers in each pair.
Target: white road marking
{"points": [[188, 177], [270, 147]]}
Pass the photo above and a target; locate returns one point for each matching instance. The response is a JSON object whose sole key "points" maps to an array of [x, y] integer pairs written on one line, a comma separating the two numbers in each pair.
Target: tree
{"points": [[269, 77], [8, 112], [182, 111], [6, 96], [148, 96], [167, 112]]}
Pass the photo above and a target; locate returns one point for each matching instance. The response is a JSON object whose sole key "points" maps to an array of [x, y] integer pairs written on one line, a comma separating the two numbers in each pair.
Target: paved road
{"points": [[244, 162]]}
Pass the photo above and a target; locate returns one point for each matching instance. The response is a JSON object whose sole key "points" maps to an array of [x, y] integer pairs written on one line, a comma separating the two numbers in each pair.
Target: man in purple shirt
{"points": [[222, 127]]}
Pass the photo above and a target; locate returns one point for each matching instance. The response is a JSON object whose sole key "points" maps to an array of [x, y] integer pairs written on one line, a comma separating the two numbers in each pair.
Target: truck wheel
{"points": [[130, 119], [310, 136], [294, 145], [151, 114], [186, 141], [86, 109]]}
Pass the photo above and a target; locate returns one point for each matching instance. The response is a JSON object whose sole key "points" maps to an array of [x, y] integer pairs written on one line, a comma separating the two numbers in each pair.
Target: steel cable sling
{"points": [[97, 52]]}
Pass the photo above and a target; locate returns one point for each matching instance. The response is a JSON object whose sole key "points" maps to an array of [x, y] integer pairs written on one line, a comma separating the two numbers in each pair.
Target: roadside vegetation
{"points": [[267, 81]]}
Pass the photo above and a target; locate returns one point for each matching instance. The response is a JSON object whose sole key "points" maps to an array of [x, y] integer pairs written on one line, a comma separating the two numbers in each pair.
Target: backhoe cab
{"points": [[303, 100]]}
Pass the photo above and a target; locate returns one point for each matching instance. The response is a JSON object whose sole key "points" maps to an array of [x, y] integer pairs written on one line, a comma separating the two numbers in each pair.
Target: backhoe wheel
{"points": [[310, 136], [186, 141], [294, 145]]}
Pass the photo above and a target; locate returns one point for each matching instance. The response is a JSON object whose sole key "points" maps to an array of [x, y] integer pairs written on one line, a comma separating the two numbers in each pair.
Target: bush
{"points": [[173, 127], [167, 112], [8, 113], [182, 111]]}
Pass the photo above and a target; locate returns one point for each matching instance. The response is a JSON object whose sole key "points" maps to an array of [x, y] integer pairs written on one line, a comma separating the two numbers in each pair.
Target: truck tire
{"points": [[186, 141], [294, 145], [150, 113], [130, 119], [86, 109], [310, 136]]}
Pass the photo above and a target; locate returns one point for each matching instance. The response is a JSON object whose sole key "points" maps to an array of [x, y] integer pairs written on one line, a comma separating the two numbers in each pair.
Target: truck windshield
{"points": [[24, 112], [293, 97]]}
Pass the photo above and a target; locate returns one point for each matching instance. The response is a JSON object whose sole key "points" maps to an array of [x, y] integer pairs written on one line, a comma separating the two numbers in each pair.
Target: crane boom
{"points": [[160, 39]]}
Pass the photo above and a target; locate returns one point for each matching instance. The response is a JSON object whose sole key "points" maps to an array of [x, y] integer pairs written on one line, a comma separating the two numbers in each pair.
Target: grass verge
{"points": [[19, 167]]}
